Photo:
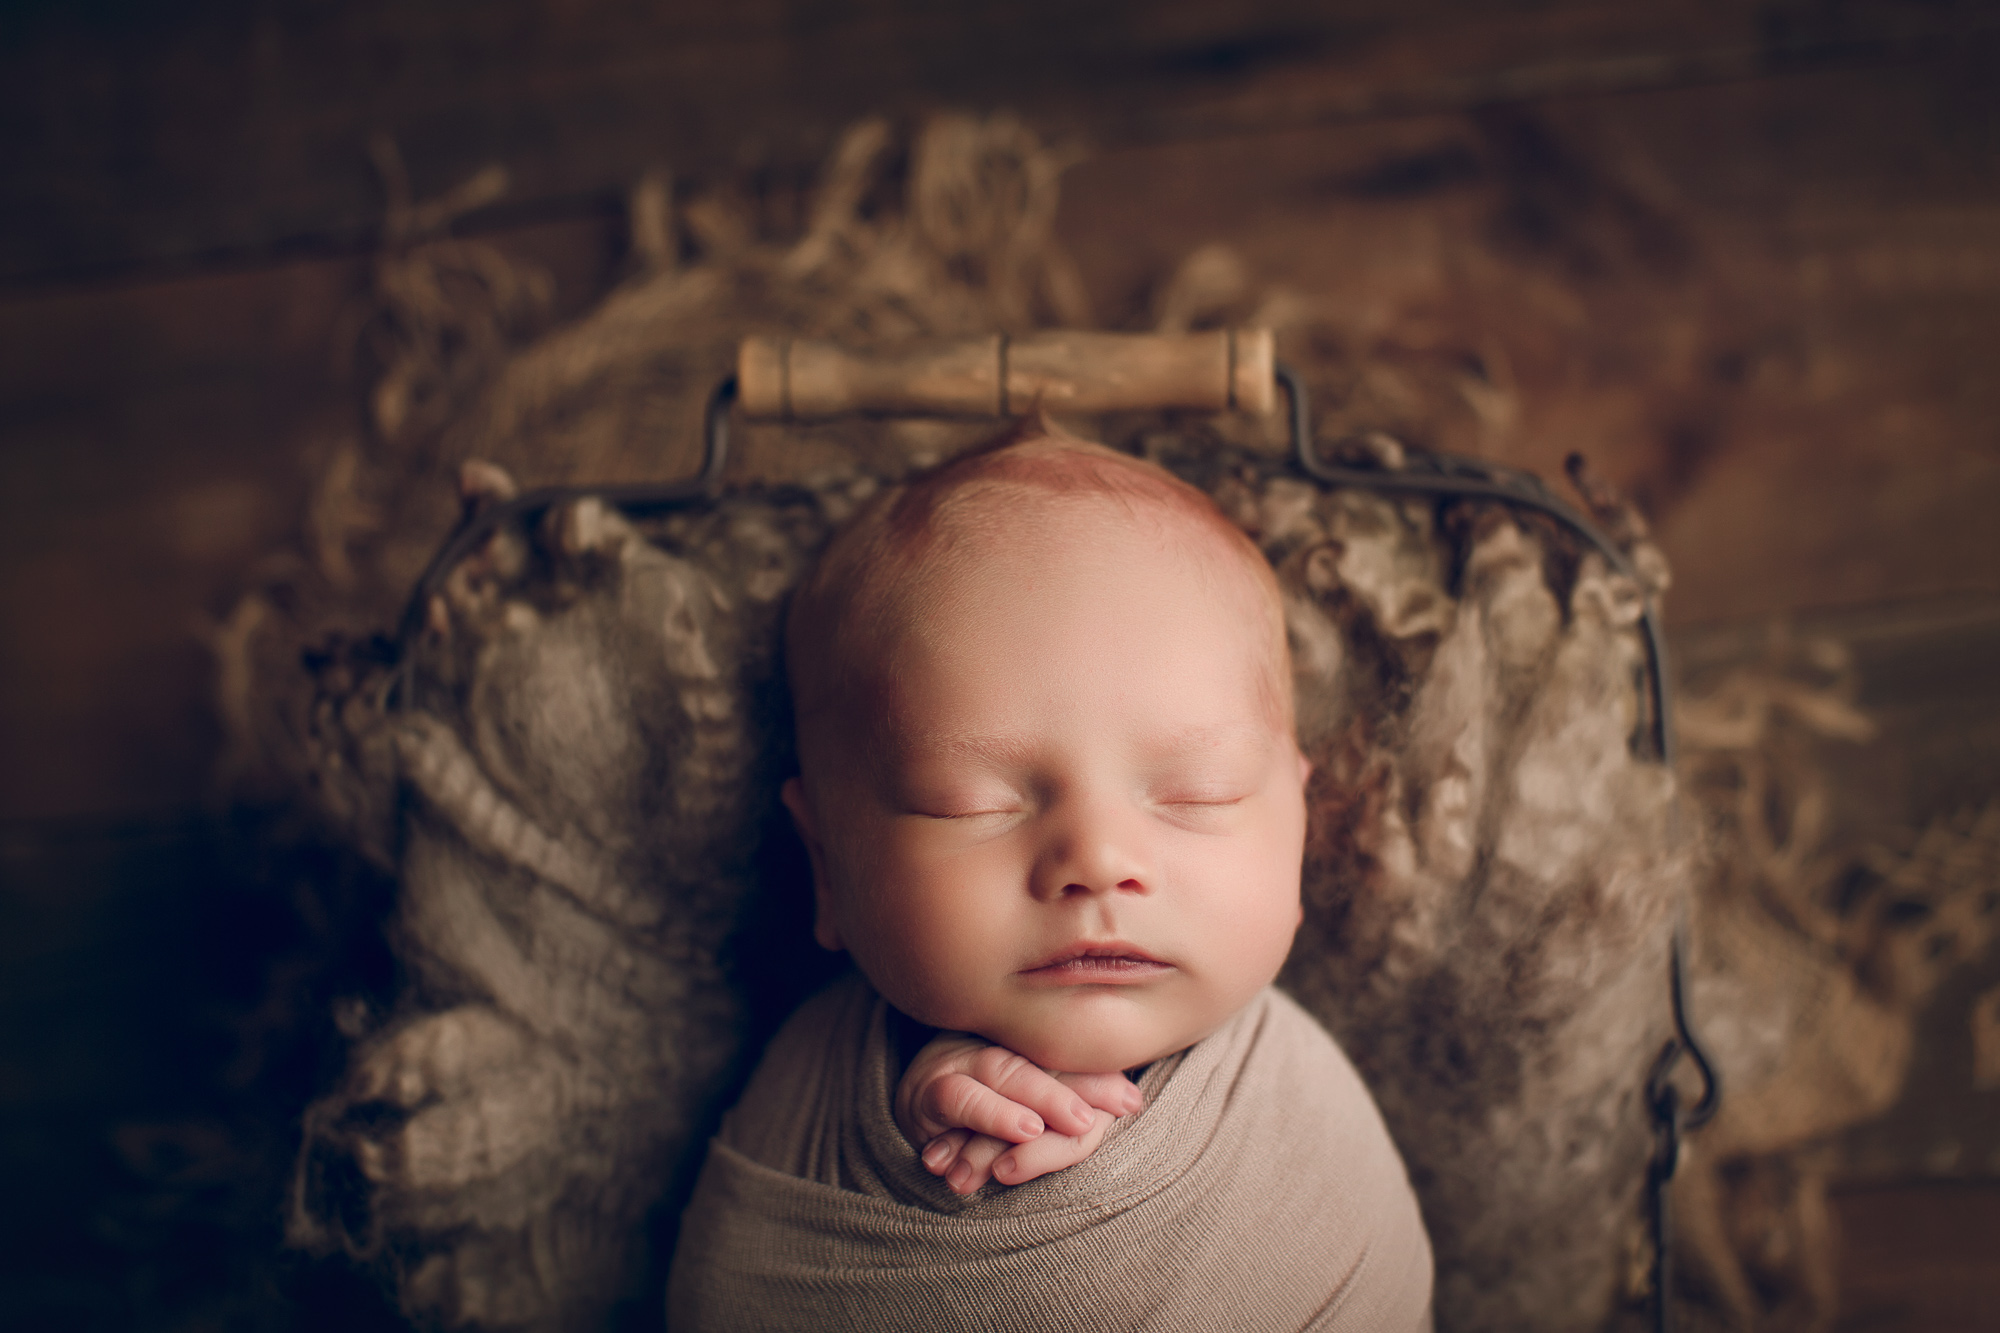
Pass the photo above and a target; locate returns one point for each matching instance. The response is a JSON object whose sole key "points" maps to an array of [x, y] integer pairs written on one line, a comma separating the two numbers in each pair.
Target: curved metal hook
{"points": [[1432, 474], [1671, 1121], [481, 523]]}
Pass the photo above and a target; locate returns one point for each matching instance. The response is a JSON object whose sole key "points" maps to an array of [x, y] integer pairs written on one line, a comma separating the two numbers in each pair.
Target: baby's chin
{"points": [[1104, 1046]]}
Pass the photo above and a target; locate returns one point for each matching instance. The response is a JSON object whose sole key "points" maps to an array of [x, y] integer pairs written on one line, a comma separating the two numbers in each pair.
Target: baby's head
{"points": [[1049, 781]]}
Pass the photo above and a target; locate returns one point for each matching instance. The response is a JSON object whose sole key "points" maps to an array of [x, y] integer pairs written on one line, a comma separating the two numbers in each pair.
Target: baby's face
{"points": [[1075, 826]]}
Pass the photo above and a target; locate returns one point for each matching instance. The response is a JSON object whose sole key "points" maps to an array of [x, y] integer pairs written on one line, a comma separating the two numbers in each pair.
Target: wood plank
{"points": [[1919, 1258], [1928, 678], [139, 137], [1756, 283], [155, 441], [164, 996], [1752, 306]]}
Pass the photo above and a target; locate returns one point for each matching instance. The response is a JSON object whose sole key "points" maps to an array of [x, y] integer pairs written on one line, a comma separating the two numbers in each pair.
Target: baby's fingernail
{"points": [[934, 1156], [1003, 1170], [1135, 1100], [1080, 1109], [960, 1175], [1031, 1125]]}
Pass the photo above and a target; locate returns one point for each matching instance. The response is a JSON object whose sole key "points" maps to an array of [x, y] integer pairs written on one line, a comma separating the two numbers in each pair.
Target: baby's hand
{"points": [[979, 1111]]}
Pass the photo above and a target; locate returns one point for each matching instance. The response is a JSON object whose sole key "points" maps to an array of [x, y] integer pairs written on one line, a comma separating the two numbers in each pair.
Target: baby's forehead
{"points": [[939, 628], [1055, 529], [1036, 515], [977, 561]]}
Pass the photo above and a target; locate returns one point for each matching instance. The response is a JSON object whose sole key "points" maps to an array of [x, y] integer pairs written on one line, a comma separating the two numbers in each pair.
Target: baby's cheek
{"points": [[1249, 929], [926, 961]]}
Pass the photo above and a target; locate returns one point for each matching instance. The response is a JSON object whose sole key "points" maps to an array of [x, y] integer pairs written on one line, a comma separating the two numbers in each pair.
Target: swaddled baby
{"points": [[1055, 812]]}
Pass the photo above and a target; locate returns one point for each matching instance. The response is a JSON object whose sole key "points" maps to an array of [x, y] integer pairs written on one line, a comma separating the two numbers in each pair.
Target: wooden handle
{"points": [[1001, 376]]}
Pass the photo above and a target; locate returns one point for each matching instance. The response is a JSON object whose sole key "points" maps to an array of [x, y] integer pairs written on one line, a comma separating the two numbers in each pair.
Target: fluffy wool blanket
{"points": [[1257, 1190], [596, 920]]}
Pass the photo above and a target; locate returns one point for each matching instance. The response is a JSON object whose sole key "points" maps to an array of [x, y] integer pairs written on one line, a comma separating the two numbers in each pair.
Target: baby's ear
{"points": [[793, 794]]}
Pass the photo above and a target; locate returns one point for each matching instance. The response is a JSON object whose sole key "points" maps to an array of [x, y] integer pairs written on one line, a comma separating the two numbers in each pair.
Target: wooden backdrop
{"points": [[1779, 221]]}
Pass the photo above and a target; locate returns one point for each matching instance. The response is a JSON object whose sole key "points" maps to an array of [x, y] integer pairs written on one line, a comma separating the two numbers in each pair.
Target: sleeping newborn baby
{"points": [[1055, 811]]}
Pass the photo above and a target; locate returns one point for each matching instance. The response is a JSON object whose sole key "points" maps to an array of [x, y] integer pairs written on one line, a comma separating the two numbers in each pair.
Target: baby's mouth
{"points": [[1098, 963]]}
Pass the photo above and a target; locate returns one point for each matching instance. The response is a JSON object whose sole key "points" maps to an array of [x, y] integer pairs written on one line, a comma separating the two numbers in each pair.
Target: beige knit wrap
{"points": [[1257, 1190]]}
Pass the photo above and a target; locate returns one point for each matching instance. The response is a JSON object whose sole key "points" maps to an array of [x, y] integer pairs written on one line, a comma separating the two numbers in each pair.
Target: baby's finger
{"points": [[959, 1101], [1026, 1083], [943, 1150], [974, 1166], [1107, 1092], [1051, 1152]]}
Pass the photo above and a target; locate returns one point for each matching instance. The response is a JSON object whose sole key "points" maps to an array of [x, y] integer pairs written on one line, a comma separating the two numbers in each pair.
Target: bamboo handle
{"points": [[1001, 376]]}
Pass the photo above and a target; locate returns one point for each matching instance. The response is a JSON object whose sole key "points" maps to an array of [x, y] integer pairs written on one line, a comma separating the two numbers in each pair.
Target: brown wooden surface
{"points": [[1765, 308], [139, 135], [1746, 256], [1919, 1258], [1768, 305], [155, 440], [1928, 678]]}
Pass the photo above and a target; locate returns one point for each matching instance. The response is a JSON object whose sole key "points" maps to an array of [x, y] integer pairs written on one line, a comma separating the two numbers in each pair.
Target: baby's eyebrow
{"points": [[1182, 742], [1218, 733], [988, 749], [1188, 741]]}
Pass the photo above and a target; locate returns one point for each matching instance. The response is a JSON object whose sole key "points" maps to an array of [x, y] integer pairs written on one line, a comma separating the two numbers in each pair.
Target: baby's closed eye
{"points": [[971, 804], [1218, 794], [956, 799], [970, 816], [967, 813], [1209, 815], [1207, 784]]}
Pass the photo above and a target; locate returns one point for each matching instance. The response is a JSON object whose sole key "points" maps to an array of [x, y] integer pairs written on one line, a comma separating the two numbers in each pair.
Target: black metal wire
{"points": [[1443, 474], [481, 523], [1671, 1122], [1422, 473], [1436, 474]]}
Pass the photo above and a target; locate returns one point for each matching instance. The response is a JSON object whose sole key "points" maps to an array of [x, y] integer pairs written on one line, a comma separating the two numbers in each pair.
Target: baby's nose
{"points": [[1100, 850]]}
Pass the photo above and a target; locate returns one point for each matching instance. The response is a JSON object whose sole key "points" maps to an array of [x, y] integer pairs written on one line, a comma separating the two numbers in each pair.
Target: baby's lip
{"points": [[1103, 957]]}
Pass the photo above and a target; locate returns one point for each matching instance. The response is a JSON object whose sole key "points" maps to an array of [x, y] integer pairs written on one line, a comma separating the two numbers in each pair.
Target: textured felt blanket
{"points": [[1257, 1190]]}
